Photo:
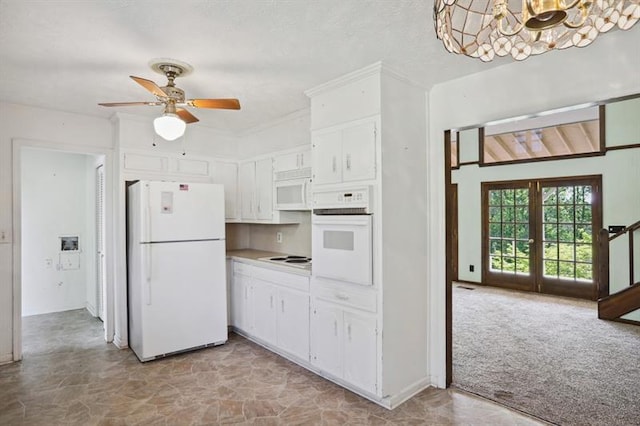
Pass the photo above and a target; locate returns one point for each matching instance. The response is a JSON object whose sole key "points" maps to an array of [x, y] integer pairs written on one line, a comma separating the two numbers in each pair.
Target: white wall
{"points": [[288, 132], [54, 204], [36, 127], [621, 202], [606, 69]]}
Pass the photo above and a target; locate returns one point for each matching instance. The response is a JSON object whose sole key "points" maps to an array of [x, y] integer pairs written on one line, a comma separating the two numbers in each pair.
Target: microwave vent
{"points": [[293, 174]]}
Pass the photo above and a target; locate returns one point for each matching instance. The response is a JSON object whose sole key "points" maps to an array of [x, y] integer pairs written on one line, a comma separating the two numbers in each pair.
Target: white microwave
{"points": [[292, 193]]}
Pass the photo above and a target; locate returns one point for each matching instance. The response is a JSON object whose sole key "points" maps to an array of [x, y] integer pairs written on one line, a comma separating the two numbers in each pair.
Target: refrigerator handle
{"points": [[147, 216], [147, 285]]}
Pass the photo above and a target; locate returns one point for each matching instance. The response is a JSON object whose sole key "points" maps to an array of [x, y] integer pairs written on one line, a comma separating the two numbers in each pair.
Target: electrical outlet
{"points": [[472, 268], [278, 237]]}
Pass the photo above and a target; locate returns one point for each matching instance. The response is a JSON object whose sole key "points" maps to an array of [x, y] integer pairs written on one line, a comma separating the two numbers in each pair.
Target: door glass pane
{"points": [[508, 215], [567, 232]]}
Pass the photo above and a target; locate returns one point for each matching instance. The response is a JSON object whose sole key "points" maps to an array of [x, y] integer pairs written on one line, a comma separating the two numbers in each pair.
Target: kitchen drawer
{"points": [[345, 294], [295, 281], [242, 268]]}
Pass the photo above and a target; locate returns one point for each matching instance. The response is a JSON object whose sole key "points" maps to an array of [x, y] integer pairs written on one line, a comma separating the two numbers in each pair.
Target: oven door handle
{"points": [[342, 223]]}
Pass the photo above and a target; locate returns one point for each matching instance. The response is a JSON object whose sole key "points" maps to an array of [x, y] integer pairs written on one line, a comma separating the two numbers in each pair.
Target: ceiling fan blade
{"points": [[186, 116], [150, 86], [215, 103], [117, 104]]}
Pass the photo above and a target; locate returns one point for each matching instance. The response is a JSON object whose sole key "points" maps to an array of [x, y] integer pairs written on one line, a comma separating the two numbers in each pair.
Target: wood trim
{"points": [[629, 146], [620, 303], [603, 130], [554, 158], [603, 263], [468, 163], [470, 282], [454, 232], [480, 145], [448, 266], [626, 321]]}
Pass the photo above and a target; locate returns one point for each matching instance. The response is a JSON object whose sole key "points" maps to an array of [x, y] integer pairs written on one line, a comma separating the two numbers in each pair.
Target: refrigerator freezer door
{"points": [[182, 297], [173, 211]]}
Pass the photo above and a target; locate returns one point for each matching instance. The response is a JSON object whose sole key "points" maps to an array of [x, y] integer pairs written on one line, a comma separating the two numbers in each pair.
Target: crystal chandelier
{"points": [[521, 28]]}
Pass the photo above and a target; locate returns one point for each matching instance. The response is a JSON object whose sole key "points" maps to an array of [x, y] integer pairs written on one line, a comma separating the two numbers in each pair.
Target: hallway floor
{"points": [[70, 376]]}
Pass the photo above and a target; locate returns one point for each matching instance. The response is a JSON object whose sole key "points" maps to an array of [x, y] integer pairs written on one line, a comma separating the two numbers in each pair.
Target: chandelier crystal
{"points": [[485, 29]]}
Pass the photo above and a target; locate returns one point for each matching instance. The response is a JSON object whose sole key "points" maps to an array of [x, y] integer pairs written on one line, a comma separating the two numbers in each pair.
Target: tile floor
{"points": [[69, 376]]}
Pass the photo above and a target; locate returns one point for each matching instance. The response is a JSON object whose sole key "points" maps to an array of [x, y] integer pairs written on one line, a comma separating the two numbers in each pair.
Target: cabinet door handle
{"points": [[335, 328], [298, 161], [282, 305], [341, 296], [349, 331], [334, 164], [271, 301], [245, 294], [348, 161]]}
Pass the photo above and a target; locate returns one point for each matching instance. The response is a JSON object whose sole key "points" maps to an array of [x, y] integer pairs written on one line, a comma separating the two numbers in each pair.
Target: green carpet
{"points": [[547, 356]]}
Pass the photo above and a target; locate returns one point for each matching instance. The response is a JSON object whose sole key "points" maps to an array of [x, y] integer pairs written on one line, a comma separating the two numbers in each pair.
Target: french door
{"points": [[540, 235]]}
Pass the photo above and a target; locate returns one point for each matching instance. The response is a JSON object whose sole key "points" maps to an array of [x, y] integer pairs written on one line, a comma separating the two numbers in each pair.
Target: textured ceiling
{"points": [[69, 55]]}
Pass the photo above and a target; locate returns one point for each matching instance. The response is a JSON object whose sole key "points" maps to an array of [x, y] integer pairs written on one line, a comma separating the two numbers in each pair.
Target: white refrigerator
{"points": [[176, 267]]}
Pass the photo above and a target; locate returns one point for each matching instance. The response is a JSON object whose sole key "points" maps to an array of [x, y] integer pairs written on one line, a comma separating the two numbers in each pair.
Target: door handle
{"points": [[531, 241]]}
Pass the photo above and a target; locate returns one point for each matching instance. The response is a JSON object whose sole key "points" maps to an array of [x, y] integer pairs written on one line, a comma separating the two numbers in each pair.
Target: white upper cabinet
{"points": [[227, 175], [264, 189], [292, 161], [247, 184], [327, 158], [345, 154], [256, 189]]}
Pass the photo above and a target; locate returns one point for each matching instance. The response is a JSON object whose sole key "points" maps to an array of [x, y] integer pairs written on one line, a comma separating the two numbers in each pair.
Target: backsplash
{"points": [[296, 238]]}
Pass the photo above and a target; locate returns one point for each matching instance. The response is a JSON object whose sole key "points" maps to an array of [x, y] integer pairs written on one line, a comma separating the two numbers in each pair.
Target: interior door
{"points": [[508, 235], [100, 246]]}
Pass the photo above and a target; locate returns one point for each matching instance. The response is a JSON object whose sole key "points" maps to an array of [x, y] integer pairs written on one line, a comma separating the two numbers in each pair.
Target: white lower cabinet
{"points": [[344, 344], [272, 307], [241, 310], [264, 311], [293, 322]]}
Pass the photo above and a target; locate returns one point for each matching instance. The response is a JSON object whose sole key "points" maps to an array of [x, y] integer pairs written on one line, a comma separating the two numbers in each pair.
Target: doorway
{"points": [[540, 235], [59, 224]]}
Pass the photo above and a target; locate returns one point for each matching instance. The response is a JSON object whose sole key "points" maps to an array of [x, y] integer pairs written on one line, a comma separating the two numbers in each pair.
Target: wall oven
{"points": [[342, 247], [293, 190]]}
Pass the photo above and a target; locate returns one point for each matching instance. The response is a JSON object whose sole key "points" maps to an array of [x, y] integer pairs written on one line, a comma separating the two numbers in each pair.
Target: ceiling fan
{"points": [[172, 123]]}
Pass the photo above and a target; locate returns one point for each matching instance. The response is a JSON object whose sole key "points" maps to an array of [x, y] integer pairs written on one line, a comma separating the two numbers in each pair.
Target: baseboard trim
{"points": [[467, 282], [6, 358], [120, 343], [92, 310], [407, 393], [388, 402], [626, 321]]}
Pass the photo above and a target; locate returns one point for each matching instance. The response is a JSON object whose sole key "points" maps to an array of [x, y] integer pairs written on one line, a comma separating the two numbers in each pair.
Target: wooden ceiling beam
{"points": [[505, 147], [592, 143], [563, 139]]}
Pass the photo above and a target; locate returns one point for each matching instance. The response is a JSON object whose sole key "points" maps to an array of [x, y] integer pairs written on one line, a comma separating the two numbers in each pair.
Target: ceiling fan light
{"points": [[169, 126]]}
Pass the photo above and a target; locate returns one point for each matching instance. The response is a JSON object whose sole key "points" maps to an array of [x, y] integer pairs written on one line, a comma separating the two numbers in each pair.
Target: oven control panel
{"points": [[337, 199]]}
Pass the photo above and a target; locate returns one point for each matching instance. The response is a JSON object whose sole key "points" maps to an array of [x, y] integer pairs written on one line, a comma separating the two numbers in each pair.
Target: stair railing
{"points": [[604, 240]]}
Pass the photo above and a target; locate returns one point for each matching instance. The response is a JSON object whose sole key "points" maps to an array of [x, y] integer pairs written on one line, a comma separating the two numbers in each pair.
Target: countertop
{"points": [[252, 256]]}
